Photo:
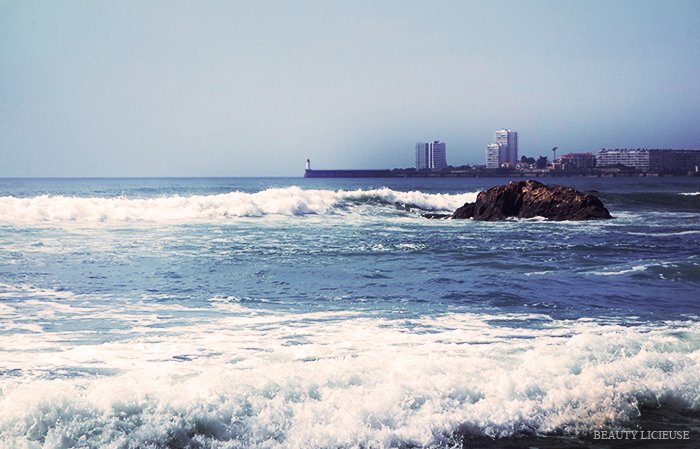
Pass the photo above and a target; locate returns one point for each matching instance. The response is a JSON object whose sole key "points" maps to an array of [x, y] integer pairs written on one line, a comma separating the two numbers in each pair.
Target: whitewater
{"points": [[289, 313], [288, 201]]}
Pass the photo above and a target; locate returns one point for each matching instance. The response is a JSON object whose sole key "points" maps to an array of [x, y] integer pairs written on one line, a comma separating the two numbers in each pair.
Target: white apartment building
{"points": [[431, 155], [649, 159], [494, 155]]}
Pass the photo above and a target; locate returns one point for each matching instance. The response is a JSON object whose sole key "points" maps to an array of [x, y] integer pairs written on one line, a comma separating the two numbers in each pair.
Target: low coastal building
{"points": [[431, 155], [577, 161], [646, 159]]}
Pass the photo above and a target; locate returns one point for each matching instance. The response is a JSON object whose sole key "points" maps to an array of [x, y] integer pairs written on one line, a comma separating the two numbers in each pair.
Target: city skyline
{"points": [[180, 89]]}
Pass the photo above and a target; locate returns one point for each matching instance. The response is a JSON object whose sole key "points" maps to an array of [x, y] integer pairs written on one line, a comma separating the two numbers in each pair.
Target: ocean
{"points": [[328, 313]]}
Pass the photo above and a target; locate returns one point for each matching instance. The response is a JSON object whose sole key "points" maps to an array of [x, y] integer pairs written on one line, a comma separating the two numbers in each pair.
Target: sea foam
{"points": [[290, 201], [255, 379]]}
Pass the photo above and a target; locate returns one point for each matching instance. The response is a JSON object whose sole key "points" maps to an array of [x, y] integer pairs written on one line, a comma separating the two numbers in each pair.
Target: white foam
{"points": [[665, 234], [633, 269], [539, 273], [290, 201], [691, 193], [28, 291], [260, 379]]}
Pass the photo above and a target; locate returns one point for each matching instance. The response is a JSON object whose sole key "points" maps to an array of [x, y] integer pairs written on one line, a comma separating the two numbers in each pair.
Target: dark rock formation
{"points": [[466, 211], [437, 216], [528, 199]]}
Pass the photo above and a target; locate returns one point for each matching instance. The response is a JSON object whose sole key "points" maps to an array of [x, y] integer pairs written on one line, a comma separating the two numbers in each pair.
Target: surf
{"points": [[286, 202]]}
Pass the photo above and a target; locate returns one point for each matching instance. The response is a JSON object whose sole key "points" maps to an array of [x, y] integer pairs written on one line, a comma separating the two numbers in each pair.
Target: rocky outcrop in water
{"points": [[529, 199]]}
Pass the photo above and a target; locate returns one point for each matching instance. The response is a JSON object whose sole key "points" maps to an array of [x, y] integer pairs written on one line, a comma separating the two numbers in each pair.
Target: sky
{"points": [[254, 88]]}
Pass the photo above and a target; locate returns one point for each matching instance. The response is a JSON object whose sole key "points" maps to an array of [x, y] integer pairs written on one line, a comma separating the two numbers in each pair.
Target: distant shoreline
{"points": [[491, 173]]}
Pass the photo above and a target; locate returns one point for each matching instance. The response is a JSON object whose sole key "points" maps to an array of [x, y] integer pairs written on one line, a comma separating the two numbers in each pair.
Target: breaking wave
{"points": [[291, 201], [325, 380]]}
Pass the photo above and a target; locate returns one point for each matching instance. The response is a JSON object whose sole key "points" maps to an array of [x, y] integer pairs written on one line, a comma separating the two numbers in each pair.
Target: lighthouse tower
{"points": [[308, 164]]}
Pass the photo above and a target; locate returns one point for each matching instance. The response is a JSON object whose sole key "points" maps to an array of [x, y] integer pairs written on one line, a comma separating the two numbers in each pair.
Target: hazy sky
{"points": [[237, 88]]}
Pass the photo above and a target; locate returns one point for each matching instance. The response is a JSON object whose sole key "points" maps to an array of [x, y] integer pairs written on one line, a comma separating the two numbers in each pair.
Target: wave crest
{"points": [[290, 201]]}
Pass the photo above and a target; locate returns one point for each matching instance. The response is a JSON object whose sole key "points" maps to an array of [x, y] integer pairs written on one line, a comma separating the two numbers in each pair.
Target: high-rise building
{"points": [[494, 155], [503, 150], [431, 155], [509, 139]]}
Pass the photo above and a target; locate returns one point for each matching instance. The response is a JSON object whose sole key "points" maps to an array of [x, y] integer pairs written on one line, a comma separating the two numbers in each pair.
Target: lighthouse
{"points": [[308, 164]]}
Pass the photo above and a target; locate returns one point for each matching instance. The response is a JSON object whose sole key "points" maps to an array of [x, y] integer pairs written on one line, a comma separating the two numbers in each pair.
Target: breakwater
{"points": [[482, 173]]}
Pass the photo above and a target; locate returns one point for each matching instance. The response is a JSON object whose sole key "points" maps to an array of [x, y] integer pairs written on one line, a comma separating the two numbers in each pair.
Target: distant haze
{"points": [[238, 88]]}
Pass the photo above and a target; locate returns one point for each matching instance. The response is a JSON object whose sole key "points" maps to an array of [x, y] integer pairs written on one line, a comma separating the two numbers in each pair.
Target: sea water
{"points": [[315, 313]]}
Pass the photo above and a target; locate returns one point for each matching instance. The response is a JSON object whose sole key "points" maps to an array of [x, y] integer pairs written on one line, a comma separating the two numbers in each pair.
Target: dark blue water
{"points": [[645, 262], [274, 312]]}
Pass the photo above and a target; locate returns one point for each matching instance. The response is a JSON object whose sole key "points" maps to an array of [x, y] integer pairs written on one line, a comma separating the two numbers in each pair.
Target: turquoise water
{"points": [[312, 313]]}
